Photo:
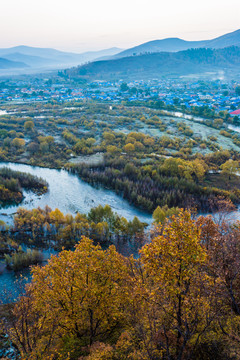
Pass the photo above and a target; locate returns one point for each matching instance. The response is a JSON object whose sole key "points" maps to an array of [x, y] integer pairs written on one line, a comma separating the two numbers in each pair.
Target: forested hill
{"points": [[176, 44], [9, 64], [156, 65]]}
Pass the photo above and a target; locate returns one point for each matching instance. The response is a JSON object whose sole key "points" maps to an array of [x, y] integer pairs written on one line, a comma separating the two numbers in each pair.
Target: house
{"points": [[236, 112]]}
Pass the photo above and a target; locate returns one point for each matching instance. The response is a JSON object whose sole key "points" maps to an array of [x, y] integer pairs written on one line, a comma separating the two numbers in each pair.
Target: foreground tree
{"points": [[178, 301], [78, 298], [177, 287]]}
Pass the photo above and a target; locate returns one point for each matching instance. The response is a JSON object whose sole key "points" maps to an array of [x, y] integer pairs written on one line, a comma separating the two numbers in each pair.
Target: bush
{"points": [[20, 260]]}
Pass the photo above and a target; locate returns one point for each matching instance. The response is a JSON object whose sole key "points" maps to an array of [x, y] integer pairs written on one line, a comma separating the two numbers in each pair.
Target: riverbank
{"points": [[70, 194]]}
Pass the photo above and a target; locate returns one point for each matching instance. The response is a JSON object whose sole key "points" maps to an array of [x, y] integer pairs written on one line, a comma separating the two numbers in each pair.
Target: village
{"points": [[183, 95]]}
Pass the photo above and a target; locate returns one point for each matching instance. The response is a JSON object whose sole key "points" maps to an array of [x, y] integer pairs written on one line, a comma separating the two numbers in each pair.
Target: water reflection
{"points": [[68, 193]]}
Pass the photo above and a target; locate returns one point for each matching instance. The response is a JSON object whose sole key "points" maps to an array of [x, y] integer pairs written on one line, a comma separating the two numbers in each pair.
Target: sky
{"points": [[83, 25]]}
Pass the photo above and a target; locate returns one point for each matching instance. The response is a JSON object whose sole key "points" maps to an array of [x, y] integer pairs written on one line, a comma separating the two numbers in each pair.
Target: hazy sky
{"points": [[80, 25]]}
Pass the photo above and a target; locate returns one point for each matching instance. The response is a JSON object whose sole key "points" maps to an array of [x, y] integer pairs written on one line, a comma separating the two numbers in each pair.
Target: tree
{"points": [[230, 167], [237, 90], [44, 147], [33, 147], [218, 123], [90, 141], [18, 143], [124, 87], [139, 146], [129, 148], [176, 283], [108, 136], [200, 168], [57, 217], [78, 297], [49, 139], [149, 141], [29, 125], [161, 213], [112, 149]]}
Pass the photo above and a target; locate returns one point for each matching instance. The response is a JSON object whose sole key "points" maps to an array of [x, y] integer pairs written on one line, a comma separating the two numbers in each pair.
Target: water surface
{"points": [[68, 193]]}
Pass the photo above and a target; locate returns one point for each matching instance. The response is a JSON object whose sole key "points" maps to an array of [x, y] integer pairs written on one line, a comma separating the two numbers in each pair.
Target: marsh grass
{"points": [[20, 260]]}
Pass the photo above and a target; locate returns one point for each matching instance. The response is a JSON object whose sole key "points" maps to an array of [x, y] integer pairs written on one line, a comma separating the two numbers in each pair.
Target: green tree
{"points": [[230, 167], [237, 90], [18, 143], [124, 87], [29, 125]]}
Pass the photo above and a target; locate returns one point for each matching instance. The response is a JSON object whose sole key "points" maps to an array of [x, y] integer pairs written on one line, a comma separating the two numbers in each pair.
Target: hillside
{"points": [[176, 44], [161, 64], [164, 45], [8, 64]]}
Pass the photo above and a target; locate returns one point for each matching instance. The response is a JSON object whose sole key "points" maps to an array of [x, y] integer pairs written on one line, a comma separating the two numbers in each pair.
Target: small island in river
{"points": [[12, 184]]}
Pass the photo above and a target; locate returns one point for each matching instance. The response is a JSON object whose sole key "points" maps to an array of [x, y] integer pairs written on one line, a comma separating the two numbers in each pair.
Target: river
{"points": [[68, 193], [179, 114], [197, 118]]}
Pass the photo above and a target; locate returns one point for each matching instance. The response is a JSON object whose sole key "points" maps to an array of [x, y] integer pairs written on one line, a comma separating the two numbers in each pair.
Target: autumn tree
{"points": [[175, 283], [78, 297], [112, 149], [29, 125], [129, 148], [178, 300], [109, 137], [230, 167], [18, 143], [160, 214]]}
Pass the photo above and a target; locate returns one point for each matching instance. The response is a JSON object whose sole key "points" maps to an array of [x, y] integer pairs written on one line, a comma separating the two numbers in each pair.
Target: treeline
{"points": [[203, 111], [47, 228], [53, 228], [26, 180], [13, 182], [171, 181], [179, 300]]}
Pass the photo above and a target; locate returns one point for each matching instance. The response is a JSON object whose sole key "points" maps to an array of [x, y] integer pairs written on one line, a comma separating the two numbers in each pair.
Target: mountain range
{"points": [[176, 44], [224, 61], [26, 57], [6, 64]]}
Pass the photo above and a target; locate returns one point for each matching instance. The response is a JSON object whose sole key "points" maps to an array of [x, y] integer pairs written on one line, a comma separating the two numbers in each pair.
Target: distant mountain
{"points": [[46, 58], [8, 64], [176, 44], [230, 39], [97, 55], [165, 45], [156, 65], [33, 61]]}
